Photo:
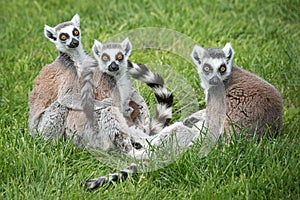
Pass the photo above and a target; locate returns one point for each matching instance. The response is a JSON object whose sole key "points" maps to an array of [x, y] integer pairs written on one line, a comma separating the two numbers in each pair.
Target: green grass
{"points": [[266, 39]]}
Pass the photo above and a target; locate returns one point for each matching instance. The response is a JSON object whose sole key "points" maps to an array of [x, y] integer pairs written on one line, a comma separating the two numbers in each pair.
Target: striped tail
{"points": [[164, 98], [114, 177], [87, 87]]}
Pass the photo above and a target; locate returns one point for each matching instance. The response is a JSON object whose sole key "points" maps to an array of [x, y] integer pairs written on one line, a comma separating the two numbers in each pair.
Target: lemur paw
{"points": [[71, 101], [103, 104], [190, 122]]}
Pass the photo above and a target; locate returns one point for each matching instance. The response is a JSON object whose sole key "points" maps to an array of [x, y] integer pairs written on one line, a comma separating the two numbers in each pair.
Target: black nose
{"points": [[113, 67], [74, 43], [214, 81]]}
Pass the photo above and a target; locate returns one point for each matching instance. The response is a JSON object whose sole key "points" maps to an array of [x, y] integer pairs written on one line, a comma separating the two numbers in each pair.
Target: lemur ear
{"points": [[76, 20], [229, 52], [198, 54], [127, 47], [50, 33], [97, 47]]}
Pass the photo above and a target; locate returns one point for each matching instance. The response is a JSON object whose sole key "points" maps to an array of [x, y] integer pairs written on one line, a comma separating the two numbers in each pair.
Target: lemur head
{"points": [[113, 57], [213, 65], [66, 35]]}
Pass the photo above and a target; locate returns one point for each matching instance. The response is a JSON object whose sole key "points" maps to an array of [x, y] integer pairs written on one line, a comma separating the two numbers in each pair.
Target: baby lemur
{"points": [[252, 104]]}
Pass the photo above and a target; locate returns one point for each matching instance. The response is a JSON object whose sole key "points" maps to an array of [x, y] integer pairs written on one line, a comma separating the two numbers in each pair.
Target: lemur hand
{"points": [[71, 101]]}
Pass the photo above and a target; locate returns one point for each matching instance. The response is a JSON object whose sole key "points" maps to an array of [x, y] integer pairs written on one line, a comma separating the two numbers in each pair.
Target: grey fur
{"points": [[52, 124], [215, 53], [216, 111], [63, 25], [111, 46]]}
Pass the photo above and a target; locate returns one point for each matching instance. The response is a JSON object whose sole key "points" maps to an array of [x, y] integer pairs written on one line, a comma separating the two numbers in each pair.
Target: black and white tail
{"points": [[164, 98], [87, 86], [114, 177]]}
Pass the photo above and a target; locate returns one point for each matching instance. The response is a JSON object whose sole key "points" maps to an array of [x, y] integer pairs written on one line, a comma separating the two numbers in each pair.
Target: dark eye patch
{"points": [[75, 32], [222, 69], [63, 36], [119, 56], [207, 68], [105, 57]]}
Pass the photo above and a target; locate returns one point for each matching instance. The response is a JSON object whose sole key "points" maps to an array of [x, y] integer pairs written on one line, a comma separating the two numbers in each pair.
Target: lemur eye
{"points": [[206, 68], [222, 68], [75, 32], [63, 37], [105, 57], [120, 57]]}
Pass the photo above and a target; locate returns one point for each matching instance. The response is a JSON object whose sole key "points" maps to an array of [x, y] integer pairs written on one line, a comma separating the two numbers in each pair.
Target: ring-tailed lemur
{"points": [[251, 102], [113, 61], [58, 79]]}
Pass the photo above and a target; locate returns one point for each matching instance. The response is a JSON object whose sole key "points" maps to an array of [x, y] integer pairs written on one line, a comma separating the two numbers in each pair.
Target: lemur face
{"points": [[65, 36], [213, 71], [112, 57], [213, 65], [69, 37]]}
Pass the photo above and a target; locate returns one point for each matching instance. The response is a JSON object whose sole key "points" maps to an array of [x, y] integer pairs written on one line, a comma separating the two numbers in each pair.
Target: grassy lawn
{"points": [[266, 38]]}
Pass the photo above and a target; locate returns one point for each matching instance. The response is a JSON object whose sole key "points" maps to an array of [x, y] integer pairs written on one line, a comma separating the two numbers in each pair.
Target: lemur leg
{"points": [[193, 119], [52, 123]]}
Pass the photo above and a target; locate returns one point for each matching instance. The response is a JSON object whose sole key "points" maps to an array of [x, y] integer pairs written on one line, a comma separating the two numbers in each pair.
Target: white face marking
{"points": [[68, 38], [213, 65], [113, 57], [216, 68]]}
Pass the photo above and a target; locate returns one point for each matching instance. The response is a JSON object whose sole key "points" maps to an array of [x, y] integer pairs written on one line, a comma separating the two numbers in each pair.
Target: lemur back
{"points": [[251, 102]]}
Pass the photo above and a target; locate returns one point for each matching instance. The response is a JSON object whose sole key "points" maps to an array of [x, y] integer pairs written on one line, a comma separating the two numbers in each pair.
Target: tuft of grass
{"points": [[266, 39]]}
